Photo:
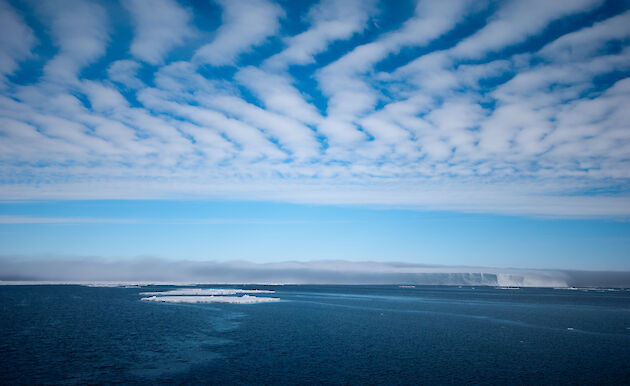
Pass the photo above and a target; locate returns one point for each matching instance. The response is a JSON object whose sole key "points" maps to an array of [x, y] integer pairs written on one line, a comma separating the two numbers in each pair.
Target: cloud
{"points": [[246, 24], [350, 94], [463, 106], [583, 44], [516, 21], [125, 72], [79, 28], [149, 270], [16, 40], [160, 26], [8, 219], [278, 94], [291, 135], [330, 20]]}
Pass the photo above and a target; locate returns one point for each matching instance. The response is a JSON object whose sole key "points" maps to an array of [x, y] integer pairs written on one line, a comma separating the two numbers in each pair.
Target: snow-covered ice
{"points": [[207, 291], [245, 299]]}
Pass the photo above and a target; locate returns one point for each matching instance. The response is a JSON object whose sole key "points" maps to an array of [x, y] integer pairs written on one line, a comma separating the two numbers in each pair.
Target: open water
{"points": [[316, 334]]}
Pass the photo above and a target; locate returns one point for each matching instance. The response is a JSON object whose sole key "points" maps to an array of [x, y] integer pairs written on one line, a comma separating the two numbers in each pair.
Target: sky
{"points": [[476, 133]]}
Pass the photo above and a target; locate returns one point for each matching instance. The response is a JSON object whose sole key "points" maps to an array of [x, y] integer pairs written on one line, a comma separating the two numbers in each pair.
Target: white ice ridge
{"points": [[245, 299], [207, 291]]}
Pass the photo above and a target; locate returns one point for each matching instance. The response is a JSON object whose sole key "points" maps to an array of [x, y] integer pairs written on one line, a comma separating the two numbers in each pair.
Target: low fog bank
{"points": [[315, 272]]}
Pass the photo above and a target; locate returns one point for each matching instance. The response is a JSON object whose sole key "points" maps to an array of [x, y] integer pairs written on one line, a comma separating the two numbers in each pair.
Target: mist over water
{"points": [[314, 272]]}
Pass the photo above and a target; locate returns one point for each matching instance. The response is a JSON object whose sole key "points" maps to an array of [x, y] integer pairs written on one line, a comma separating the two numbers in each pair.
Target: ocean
{"points": [[70, 334]]}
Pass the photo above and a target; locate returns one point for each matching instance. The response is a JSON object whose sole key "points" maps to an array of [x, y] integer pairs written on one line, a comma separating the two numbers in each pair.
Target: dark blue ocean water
{"points": [[317, 334]]}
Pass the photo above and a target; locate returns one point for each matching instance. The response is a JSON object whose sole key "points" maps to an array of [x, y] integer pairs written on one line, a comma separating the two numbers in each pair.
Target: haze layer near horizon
{"points": [[274, 232]]}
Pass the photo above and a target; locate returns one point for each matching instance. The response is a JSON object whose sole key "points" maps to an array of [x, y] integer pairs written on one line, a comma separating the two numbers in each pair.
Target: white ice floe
{"points": [[208, 291], [245, 299], [589, 289]]}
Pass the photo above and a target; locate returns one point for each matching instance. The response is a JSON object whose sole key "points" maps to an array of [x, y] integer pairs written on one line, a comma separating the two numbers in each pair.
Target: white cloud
{"points": [[125, 72], [251, 143], [160, 26], [431, 20], [278, 94], [349, 93], [583, 44], [246, 24], [79, 28], [517, 20], [330, 20], [382, 124], [291, 134], [16, 40]]}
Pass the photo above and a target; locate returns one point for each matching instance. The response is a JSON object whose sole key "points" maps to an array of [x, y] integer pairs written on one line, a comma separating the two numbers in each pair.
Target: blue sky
{"points": [[273, 232], [454, 132]]}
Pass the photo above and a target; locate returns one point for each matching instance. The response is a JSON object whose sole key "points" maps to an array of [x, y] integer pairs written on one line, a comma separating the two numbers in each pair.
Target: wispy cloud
{"points": [[505, 107], [246, 24], [160, 26], [17, 220], [16, 40], [516, 21], [79, 28], [330, 20]]}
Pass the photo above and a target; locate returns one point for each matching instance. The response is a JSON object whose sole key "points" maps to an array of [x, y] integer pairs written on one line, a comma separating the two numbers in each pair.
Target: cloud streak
{"points": [[16, 40], [246, 24], [160, 26], [22, 220], [79, 29], [465, 106]]}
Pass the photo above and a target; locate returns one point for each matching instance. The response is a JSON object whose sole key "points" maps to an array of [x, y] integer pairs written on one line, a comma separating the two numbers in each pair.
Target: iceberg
{"points": [[245, 299]]}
